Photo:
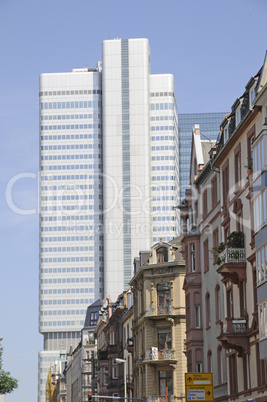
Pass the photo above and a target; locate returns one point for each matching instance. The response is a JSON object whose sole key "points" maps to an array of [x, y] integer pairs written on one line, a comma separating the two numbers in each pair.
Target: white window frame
{"points": [[252, 95], [197, 316], [238, 115], [226, 133]]}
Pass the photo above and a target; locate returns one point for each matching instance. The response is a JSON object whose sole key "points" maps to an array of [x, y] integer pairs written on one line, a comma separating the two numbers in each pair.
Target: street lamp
{"points": [[118, 360]]}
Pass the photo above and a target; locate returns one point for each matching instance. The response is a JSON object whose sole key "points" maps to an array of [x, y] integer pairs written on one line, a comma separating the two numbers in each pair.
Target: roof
{"points": [[93, 308], [206, 147]]}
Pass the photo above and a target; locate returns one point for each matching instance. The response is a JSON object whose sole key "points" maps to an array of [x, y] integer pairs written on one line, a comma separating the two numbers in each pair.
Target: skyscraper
{"points": [[210, 128], [108, 184]]}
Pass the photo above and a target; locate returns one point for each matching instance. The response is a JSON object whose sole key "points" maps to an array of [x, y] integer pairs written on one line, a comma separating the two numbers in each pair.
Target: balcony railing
{"points": [[235, 325], [160, 310], [155, 354], [232, 256]]}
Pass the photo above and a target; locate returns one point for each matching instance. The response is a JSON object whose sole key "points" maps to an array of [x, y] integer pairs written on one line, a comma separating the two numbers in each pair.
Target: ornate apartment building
{"points": [[159, 323], [224, 216]]}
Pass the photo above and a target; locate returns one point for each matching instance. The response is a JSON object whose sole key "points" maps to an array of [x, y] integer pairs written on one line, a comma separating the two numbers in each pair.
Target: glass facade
{"points": [[209, 130]]}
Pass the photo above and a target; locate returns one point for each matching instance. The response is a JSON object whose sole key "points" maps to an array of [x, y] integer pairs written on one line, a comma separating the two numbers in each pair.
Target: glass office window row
{"points": [[63, 312], [70, 116], [164, 218], [70, 137], [70, 147], [65, 249], [161, 118], [69, 177], [65, 270], [163, 138], [162, 106], [160, 178], [66, 280], [162, 148], [163, 157], [161, 128], [67, 156], [155, 168], [71, 105], [70, 167], [69, 259], [70, 228], [59, 323], [152, 94], [70, 127], [72, 92], [65, 291], [163, 188], [66, 218], [65, 301]]}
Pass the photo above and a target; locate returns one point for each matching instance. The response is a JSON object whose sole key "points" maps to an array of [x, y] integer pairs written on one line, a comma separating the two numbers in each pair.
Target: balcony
{"points": [[160, 311], [154, 355], [234, 335], [232, 264]]}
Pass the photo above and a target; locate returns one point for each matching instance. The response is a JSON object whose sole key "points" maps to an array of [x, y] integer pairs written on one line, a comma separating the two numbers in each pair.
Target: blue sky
{"points": [[212, 47]]}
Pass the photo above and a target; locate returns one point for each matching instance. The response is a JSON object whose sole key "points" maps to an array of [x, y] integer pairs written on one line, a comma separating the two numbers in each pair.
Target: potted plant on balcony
{"points": [[235, 240], [249, 167], [216, 251]]}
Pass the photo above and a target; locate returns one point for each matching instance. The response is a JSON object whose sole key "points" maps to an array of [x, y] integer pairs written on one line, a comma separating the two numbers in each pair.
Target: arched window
{"points": [[162, 254]]}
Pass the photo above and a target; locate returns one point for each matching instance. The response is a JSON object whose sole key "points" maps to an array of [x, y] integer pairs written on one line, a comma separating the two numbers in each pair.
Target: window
{"points": [[196, 213], [238, 115], [208, 320], [263, 320], [165, 383], [162, 254], [252, 94], [238, 165], [217, 303], [165, 340], [163, 298], [115, 369], [226, 133], [214, 198], [225, 179], [229, 303], [197, 316], [193, 257], [206, 254], [260, 211], [215, 239], [261, 264], [205, 203], [258, 156], [198, 367]]}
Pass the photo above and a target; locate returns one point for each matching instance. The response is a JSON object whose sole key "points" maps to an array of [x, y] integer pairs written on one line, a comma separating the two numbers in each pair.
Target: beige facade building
{"points": [[159, 323]]}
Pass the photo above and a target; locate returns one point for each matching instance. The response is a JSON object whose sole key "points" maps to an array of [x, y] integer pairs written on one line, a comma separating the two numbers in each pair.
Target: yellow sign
{"points": [[198, 387]]}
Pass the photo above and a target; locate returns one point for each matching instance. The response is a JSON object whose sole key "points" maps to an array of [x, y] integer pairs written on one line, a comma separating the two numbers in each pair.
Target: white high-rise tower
{"points": [[108, 184]]}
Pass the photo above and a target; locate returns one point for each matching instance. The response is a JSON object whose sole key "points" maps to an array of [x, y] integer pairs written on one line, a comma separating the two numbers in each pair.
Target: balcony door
{"points": [[165, 385], [163, 298]]}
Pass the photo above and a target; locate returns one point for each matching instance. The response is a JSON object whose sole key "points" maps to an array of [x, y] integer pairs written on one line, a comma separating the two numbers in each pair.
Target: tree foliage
{"points": [[7, 383]]}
